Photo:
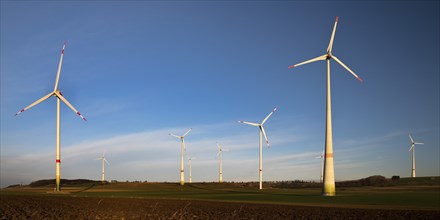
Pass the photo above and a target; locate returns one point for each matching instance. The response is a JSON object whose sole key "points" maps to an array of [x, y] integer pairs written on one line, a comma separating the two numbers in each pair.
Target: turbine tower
{"points": [[102, 158], [329, 171], [57, 93], [220, 154], [182, 172], [413, 143], [262, 132]]}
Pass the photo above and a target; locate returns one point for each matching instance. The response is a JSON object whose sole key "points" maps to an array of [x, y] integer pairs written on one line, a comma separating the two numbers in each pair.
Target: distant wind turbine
{"points": [[220, 154], [102, 158], [413, 143], [57, 93], [182, 172], [322, 165], [329, 171], [190, 168], [262, 132]]}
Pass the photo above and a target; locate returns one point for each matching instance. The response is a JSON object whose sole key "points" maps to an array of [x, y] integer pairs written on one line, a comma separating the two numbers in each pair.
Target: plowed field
{"points": [[70, 207]]}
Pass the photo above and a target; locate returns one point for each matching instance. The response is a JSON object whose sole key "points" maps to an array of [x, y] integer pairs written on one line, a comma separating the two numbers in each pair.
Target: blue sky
{"points": [[139, 70]]}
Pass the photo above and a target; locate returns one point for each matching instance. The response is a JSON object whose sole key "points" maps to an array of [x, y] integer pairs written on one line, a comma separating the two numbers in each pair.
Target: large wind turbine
{"points": [[182, 172], [102, 158], [262, 132], [413, 143], [329, 174], [220, 154], [57, 93]]}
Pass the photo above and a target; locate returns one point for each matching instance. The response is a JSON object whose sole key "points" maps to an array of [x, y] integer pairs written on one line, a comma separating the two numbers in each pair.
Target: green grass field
{"points": [[405, 194]]}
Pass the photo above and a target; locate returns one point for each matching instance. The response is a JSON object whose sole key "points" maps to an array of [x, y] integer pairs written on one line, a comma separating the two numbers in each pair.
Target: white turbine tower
{"points": [[220, 154], [262, 132], [182, 172], [102, 158], [322, 165], [329, 174], [413, 143], [57, 93], [190, 168]]}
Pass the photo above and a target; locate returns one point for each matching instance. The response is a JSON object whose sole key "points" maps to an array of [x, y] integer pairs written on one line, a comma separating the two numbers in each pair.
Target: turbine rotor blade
{"points": [[412, 140], [187, 132], [249, 123], [59, 68], [218, 146], [412, 146], [330, 45], [323, 57], [175, 136], [60, 96], [265, 137], [418, 143], [349, 70], [106, 161], [269, 115], [35, 103]]}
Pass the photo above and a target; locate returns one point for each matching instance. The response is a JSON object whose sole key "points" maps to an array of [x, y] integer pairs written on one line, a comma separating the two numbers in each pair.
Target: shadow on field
{"points": [[85, 189]]}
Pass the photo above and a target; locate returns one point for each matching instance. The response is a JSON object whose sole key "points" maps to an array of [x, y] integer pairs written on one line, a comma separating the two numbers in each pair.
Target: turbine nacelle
{"points": [[191, 158], [329, 55]]}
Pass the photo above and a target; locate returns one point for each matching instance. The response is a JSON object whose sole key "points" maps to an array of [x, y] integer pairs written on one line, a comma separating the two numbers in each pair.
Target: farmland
{"points": [[397, 200]]}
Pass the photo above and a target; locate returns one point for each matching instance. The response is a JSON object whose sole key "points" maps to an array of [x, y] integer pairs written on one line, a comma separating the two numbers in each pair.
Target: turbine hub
{"points": [[329, 55]]}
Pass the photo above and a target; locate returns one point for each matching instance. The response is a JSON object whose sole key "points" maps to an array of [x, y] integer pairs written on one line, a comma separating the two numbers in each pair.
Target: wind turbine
{"points": [[220, 153], [57, 93], [262, 132], [322, 165], [182, 172], [190, 168], [329, 174], [413, 143], [102, 158]]}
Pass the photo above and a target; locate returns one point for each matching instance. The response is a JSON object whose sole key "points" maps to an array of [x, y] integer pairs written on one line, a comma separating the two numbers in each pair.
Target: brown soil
{"points": [[64, 207]]}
